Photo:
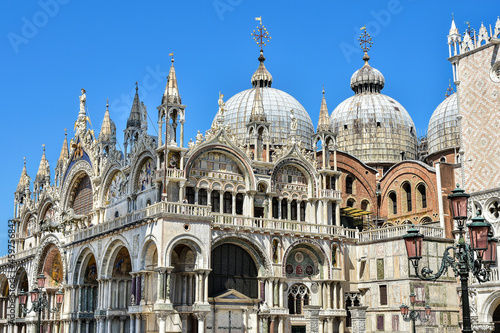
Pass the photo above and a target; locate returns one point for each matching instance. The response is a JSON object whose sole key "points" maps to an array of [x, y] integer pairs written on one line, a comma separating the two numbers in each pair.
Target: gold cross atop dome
{"points": [[365, 40], [261, 36]]}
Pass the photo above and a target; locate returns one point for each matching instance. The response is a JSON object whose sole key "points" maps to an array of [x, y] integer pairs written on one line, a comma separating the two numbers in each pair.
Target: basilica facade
{"points": [[262, 223]]}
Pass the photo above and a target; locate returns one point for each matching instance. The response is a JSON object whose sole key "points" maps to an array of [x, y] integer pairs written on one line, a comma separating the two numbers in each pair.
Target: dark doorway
{"points": [[298, 329], [258, 212], [496, 319]]}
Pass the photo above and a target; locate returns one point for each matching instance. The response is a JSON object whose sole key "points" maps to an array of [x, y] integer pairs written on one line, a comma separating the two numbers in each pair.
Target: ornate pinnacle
{"points": [[365, 40], [261, 36]]}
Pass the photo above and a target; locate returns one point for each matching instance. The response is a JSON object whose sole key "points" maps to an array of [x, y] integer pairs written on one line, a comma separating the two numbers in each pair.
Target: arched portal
{"points": [[496, 319], [232, 268], [87, 290]]}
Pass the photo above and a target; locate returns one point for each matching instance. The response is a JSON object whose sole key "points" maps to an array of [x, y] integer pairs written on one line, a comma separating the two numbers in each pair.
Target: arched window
{"points": [[350, 203], [275, 208], [365, 205], [82, 202], [348, 184], [423, 195], [215, 201], [407, 194], [232, 268], [202, 197], [298, 296], [284, 209], [239, 203], [293, 210], [442, 160], [302, 211], [190, 194], [228, 203], [393, 203]]}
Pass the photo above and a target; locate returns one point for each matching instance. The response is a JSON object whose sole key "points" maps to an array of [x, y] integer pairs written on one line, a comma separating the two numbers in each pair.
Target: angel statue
{"points": [[222, 104], [293, 125], [199, 138], [83, 100]]}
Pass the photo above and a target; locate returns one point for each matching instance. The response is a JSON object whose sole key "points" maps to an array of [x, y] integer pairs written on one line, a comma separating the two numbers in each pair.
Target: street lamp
{"points": [[39, 300], [414, 315], [475, 258]]}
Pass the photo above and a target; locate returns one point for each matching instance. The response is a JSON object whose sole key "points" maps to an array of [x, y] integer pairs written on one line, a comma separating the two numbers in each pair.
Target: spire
{"points": [[64, 149], [258, 113], [134, 120], [324, 120], [453, 29], [365, 41], [108, 128], [43, 169], [24, 181], [172, 90]]}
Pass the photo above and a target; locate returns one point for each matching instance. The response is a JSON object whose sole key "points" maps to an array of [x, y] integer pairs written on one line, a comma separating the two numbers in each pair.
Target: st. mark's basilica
{"points": [[264, 223]]}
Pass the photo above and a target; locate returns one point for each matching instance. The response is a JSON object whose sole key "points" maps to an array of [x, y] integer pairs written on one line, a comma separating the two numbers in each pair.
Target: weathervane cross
{"points": [[365, 40], [261, 36]]}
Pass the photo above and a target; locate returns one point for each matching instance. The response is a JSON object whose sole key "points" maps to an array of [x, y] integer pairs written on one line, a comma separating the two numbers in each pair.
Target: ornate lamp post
{"points": [[39, 300], [474, 258], [414, 315]]}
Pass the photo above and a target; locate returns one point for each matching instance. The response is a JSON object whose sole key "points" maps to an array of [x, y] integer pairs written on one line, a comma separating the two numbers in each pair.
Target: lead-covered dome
{"points": [[442, 132], [277, 105], [372, 126]]}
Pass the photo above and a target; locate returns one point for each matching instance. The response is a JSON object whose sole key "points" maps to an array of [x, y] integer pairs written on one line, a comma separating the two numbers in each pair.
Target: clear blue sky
{"points": [[49, 49]]}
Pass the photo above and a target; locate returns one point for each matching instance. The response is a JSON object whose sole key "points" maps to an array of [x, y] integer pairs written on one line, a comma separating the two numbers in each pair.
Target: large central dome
{"points": [[277, 105], [372, 126]]}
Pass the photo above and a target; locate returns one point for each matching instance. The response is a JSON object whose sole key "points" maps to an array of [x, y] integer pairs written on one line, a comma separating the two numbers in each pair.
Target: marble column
{"points": [[271, 327], [132, 324], [184, 317], [201, 322], [161, 322], [138, 323]]}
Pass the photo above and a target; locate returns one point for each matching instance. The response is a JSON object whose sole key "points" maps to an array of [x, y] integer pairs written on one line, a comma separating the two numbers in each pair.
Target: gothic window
{"points": [[202, 196], [275, 208], [350, 203], [393, 203], [348, 184], [228, 203], [364, 205], [239, 204], [494, 209], [190, 195], [298, 296], [423, 195], [276, 246], [82, 202], [407, 194], [232, 268], [215, 201]]}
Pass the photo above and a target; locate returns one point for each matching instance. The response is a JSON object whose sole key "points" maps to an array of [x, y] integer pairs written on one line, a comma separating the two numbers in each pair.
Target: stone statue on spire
{"points": [[83, 101], [294, 124], [222, 104]]}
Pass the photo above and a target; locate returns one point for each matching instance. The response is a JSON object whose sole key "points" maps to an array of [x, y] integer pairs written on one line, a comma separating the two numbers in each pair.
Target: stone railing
{"points": [[399, 231], [177, 208], [256, 224], [494, 274], [19, 254], [171, 173], [330, 194], [150, 211]]}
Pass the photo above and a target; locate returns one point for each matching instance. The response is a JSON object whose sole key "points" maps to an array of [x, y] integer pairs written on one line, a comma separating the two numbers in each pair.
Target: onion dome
{"points": [[367, 78], [24, 181], [262, 77], [442, 132], [276, 106], [372, 126]]}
